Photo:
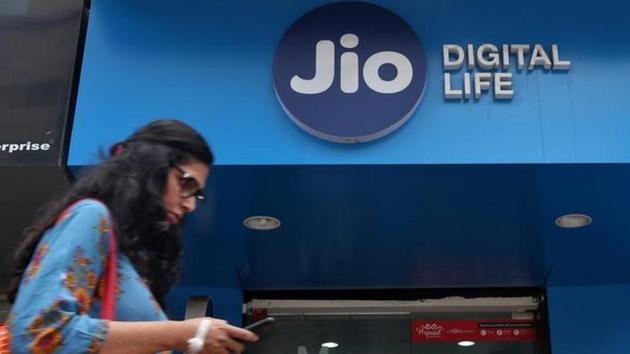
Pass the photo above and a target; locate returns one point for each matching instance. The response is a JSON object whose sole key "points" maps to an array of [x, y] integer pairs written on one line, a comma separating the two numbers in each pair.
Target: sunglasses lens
{"points": [[189, 186]]}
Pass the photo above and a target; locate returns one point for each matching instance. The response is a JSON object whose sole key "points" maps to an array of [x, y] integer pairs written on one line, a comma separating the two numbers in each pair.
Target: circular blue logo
{"points": [[349, 72]]}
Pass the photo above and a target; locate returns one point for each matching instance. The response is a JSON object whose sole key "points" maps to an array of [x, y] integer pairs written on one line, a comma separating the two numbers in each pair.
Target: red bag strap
{"points": [[5, 339], [108, 307]]}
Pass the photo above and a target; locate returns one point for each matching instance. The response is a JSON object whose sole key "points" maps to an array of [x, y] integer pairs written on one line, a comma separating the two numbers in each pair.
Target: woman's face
{"points": [[183, 184]]}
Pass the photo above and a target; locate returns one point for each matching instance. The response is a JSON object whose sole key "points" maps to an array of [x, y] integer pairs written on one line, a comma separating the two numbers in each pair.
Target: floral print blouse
{"points": [[59, 301]]}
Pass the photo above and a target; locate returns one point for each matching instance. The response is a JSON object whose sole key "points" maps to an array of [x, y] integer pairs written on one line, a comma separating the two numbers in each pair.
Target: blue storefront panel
{"points": [[211, 63]]}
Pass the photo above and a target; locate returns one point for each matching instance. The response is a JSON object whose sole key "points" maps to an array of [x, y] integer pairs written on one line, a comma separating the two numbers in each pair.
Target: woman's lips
{"points": [[173, 218]]}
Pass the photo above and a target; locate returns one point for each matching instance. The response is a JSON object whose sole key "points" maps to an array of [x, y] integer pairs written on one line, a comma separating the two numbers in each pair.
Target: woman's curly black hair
{"points": [[131, 182]]}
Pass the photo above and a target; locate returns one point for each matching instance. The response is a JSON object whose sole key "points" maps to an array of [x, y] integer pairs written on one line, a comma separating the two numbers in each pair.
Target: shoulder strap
{"points": [[110, 274], [108, 309], [5, 339]]}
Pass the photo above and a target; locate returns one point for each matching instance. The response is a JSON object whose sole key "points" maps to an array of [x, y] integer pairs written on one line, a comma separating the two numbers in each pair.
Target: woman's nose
{"points": [[189, 204]]}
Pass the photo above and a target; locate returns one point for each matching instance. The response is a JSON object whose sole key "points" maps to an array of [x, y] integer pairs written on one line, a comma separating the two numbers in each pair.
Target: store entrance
{"points": [[444, 326]]}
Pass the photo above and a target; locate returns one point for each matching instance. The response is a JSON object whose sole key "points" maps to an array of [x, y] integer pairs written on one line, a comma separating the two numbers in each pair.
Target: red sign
{"points": [[474, 330]]}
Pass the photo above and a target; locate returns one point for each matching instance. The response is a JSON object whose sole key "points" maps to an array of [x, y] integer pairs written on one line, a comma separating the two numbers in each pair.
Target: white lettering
{"points": [[482, 83], [349, 70], [499, 83], [324, 71], [520, 50], [539, 57], [503, 86], [557, 63], [495, 60], [404, 72], [506, 56], [471, 57], [447, 51], [491, 61], [466, 85], [27, 146], [450, 93]]}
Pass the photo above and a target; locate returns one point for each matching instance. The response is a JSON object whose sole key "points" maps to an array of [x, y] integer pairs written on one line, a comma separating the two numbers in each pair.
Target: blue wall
{"points": [[589, 320], [210, 63]]}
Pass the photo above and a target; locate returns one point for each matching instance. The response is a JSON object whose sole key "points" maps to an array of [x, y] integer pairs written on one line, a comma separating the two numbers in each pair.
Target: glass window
{"points": [[491, 333]]}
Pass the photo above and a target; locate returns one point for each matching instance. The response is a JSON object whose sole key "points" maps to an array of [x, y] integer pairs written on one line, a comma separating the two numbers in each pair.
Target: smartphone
{"points": [[259, 324]]}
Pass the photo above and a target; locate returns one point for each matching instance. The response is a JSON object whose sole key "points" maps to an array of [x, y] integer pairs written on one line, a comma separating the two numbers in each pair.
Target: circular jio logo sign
{"points": [[349, 72]]}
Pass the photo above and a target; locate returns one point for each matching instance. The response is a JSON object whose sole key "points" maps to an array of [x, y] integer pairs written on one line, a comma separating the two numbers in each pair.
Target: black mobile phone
{"points": [[258, 324]]}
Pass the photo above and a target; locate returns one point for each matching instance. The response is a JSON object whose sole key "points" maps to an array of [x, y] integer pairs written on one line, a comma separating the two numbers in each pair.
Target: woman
{"points": [[142, 192]]}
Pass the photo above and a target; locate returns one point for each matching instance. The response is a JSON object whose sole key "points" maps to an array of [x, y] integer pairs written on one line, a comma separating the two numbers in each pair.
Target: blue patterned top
{"points": [[58, 306]]}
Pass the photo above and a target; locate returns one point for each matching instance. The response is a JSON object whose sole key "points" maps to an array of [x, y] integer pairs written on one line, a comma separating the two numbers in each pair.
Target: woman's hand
{"points": [[223, 338], [156, 336]]}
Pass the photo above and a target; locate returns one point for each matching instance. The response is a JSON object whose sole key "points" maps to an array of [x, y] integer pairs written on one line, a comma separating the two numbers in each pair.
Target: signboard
{"points": [[342, 78], [473, 330], [37, 60], [487, 68]]}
